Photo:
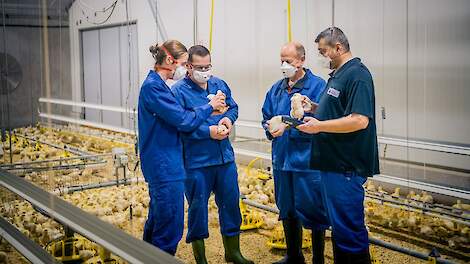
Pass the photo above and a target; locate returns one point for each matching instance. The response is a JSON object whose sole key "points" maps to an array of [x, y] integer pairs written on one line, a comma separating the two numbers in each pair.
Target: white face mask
{"points": [[170, 82], [180, 72], [202, 76], [324, 61], [288, 70]]}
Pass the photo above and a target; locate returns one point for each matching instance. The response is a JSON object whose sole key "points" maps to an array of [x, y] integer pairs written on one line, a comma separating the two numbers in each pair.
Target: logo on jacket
{"points": [[333, 92]]}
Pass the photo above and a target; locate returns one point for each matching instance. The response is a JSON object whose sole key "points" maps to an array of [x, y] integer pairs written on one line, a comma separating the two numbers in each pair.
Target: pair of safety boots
{"points": [[232, 251], [293, 234]]}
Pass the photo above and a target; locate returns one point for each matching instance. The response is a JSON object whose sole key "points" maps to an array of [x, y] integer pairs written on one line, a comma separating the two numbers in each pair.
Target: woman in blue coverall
{"points": [[161, 152]]}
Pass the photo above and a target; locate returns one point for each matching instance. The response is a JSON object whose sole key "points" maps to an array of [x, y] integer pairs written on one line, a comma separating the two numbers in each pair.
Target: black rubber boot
{"points": [[318, 247], [232, 250], [199, 251], [293, 235], [342, 257]]}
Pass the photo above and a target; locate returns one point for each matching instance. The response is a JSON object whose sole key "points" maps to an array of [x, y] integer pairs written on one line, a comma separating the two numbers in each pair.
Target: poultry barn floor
{"points": [[407, 229]]}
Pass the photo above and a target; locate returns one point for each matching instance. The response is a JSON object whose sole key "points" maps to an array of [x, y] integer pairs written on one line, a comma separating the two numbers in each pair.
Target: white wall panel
{"points": [[91, 73]]}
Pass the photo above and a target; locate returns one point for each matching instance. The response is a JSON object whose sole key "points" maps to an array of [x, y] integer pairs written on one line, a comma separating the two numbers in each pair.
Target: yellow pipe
{"points": [[289, 28], [211, 22]]}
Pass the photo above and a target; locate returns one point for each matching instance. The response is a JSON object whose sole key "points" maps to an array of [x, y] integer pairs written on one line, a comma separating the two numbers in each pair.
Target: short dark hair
{"points": [[333, 35], [198, 50]]}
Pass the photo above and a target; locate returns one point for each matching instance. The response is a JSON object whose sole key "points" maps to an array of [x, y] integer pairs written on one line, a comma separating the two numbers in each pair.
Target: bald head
{"points": [[293, 53], [293, 49]]}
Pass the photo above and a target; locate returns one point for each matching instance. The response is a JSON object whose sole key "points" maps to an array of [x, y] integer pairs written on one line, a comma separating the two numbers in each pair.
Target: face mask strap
{"points": [[168, 54]]}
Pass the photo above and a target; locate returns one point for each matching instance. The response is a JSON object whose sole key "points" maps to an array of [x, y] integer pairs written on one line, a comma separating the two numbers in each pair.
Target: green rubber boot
{"points": [[199, 251], [232, 250]]}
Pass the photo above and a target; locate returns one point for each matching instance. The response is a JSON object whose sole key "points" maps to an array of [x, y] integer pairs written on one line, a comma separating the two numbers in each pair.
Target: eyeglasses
{"points": [[202, 68]]}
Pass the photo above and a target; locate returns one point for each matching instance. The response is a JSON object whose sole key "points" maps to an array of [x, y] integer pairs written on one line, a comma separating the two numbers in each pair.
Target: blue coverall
{"points": [[296, 187], [161, 155], [209, 163]]}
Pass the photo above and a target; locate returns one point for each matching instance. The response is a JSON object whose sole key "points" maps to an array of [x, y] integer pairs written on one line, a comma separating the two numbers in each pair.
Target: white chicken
{"points": [[297, 110]]}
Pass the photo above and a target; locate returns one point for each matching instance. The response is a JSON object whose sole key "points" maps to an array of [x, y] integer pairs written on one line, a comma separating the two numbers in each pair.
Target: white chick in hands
{"points": [[220, 110], [275, 124], [222, 129], [297, 110]]}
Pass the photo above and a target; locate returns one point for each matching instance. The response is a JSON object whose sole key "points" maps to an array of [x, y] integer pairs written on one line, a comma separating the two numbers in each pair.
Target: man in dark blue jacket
{"points": [[209, 159], [297, 188], [345, 145]]}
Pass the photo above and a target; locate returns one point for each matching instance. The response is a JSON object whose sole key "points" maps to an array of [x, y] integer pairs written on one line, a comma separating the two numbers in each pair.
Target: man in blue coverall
{"points": [[209, 159], [297, 188]]}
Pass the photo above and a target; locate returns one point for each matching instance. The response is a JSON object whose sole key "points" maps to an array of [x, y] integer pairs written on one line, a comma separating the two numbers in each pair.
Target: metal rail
{"points": [[71, 189], [86, 105], [120, 243], [7, 165], [25, 246], [23, 170], [426, 145], [85, 123]]}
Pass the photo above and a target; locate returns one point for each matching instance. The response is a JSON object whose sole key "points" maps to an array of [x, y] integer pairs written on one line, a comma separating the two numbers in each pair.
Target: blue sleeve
{"points": [[267, 111], [319, 88], [201, 132], [159, 100], [232, 112], [317, 93]]}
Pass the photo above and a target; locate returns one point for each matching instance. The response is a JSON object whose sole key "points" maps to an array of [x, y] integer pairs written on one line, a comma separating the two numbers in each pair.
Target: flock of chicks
{"points": [[25, 150], [126, 206], [122, 206], [30, 222], [439, 229]]}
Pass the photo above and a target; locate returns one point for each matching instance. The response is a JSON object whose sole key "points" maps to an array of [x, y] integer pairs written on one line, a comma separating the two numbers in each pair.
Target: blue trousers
{"points": [[298, 196], [165, 221], [343, 198], [200, 183], [309, 202]]}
